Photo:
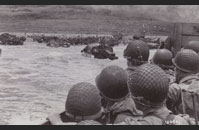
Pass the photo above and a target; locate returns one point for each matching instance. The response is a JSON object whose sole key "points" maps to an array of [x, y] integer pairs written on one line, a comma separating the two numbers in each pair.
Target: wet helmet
{"points": [[193, 45], [137, 50], [149, 83], [163, 58], [83, 100], [187, 60], [112, 82]]}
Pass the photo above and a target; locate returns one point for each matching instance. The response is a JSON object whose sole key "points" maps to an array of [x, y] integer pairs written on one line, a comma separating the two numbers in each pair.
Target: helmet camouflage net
{"points": [[150, 82], [83, 100]]}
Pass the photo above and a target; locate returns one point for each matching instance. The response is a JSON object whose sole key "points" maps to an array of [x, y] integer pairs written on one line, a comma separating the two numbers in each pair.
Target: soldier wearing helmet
{"points": [[76, 110], [112, 84], [149, 87], [163, 58], [186, 67], [136, 53], [138, 36], [193, 45]]}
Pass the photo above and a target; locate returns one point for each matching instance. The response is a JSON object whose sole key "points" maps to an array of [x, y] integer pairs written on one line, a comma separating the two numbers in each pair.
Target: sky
{"points": [[173, 13], [176, 13]]}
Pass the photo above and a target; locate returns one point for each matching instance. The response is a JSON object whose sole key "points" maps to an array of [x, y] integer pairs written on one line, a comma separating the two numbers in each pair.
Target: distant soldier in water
{"points": [[136, 53], [163, 58], [83, 103], [116, 100]]}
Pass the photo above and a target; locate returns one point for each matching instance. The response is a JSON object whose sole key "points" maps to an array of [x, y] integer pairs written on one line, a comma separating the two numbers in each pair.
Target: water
{"points": [[35, 79]]}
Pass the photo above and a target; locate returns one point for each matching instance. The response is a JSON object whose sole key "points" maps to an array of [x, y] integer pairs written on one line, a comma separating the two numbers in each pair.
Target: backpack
{"points": [[190, 100]]}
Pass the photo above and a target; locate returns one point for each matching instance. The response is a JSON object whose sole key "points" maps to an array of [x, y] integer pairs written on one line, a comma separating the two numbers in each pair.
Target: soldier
{"points": [[186, 66], [139, 35], [112, 83], [163, 58], [193, 45], [83, 103], [136, 53], [149, 87]]}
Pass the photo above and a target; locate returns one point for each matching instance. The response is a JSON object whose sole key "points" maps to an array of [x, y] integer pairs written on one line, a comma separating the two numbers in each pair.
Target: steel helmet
{"points": [[138, 50], [112, 82], [150, 82], [83, 100], [163, 58], [193, 45], [187, 60]]}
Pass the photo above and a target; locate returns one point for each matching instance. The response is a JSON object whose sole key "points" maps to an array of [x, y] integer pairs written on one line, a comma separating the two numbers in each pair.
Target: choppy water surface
{"points": [[35, 79]]}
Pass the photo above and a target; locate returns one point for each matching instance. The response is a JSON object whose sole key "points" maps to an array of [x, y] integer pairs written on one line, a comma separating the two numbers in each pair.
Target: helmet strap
{"points": [[80, 118], [142, 101]]}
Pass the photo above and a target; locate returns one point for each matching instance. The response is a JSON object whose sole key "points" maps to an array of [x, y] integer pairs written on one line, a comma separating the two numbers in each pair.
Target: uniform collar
{"points": [[157, 111], [190, 77], [126, 105]]}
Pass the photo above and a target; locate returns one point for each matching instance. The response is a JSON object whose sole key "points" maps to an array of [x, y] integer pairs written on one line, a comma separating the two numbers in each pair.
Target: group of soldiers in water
{"points": [[148, 92], [78, 40]]}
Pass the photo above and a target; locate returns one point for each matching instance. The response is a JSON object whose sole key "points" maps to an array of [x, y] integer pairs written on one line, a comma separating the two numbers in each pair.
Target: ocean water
{"points": [[35, 79]]}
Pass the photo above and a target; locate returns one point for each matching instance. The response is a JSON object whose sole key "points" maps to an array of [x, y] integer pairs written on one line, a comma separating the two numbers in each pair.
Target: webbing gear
{"points": [[193, 102]]}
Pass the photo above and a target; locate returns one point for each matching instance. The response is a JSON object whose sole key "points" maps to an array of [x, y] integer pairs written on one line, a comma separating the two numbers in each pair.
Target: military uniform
{"points": [[174, 101], [170, 74], [180, 99], [149, 87], [117, 103], [123, 109], [158, 116]]}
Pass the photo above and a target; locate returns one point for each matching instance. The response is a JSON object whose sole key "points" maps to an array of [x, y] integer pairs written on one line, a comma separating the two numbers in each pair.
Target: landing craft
{"points": [[181, 35]]}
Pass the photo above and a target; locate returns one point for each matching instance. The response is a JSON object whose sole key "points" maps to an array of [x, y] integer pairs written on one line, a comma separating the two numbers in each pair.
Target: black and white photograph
{"points": [[99, 64]]}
